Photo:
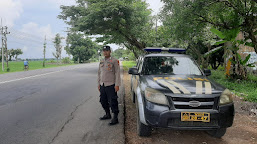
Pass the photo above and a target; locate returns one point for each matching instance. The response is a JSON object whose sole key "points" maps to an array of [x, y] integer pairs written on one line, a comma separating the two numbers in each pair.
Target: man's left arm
{"points": [[117, 75]]}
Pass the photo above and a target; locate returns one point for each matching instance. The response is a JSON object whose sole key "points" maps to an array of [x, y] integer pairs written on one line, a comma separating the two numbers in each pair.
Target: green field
{"points": [[18, 66], [128, 64], [243, 88]]}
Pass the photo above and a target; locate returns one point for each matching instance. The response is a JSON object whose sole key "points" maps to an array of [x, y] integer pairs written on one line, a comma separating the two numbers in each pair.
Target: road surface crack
{"points": [[70, 118]]}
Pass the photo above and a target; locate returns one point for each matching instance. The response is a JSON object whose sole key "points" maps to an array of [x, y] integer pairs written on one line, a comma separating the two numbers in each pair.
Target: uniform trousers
{"points": [[108, 98]]}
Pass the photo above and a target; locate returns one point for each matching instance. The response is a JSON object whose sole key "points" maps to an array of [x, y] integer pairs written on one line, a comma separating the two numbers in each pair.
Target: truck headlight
{"points": [[155, 96], [226, 97]]}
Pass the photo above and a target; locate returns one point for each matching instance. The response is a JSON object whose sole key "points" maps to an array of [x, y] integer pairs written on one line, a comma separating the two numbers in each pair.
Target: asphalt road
{"points": [[57, 105]]}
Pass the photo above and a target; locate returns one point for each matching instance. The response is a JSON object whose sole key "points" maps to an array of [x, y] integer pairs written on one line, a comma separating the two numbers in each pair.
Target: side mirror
{"points": [[207, 72], [133, 71]]}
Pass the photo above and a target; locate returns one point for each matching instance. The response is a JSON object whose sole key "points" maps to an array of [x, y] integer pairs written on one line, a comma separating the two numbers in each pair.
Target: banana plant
{"points": [[229, 36]]}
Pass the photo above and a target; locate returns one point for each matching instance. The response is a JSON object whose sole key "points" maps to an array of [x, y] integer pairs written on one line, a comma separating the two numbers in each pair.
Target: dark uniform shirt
{"points": [[109, 72]]}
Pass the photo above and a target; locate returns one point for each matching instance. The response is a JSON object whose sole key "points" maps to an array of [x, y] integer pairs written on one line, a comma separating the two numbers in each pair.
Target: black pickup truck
{"points": [[171, 91]]}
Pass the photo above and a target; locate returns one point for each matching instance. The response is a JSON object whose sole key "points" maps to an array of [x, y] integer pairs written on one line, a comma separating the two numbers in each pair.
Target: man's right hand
{"points": [[99, 88]]}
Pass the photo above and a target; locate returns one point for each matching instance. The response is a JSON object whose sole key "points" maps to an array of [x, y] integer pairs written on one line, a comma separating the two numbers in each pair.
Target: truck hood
{"points": [[182, 84]]}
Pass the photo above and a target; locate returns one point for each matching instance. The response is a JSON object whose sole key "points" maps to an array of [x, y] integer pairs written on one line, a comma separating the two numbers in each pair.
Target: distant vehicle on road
{"points": [[171, 91]]}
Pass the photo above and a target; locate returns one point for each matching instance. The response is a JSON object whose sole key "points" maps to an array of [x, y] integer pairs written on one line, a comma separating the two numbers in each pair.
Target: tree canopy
{"points": [[118, 21], [80, 47], [188, 17], [57, 44]]}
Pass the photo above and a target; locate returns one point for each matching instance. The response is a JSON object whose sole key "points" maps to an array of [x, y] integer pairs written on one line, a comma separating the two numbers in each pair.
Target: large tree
{"points": [[180, 29], [11, 53], [118, 21], [80, 47], [17, 53], [221, 14]]}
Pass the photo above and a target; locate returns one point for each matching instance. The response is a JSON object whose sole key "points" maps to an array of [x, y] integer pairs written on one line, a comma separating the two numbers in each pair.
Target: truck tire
{"points": [[142, 129], [217, 133]]}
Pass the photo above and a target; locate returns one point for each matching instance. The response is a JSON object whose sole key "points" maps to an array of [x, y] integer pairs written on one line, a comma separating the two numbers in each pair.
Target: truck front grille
{"points": [[184, 103]]}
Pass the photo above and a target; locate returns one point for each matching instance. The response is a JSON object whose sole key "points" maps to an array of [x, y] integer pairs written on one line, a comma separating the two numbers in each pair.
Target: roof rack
{"points": [[163, 49]]}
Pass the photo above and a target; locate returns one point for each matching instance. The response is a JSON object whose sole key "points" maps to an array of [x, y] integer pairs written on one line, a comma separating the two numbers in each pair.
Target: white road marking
{"points": [[36, 76]]}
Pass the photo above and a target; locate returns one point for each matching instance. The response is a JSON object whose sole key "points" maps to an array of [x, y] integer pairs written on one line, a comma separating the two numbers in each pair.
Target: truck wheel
{"points": [[217, 133], [142, 129]]}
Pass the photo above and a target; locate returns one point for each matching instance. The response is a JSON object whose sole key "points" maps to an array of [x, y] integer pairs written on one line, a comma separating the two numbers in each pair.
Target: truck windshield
{"points": [[170, 66]]}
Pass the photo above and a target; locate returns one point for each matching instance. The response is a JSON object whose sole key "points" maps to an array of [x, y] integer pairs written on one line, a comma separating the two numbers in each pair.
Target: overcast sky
{"points": [[29, 21]]}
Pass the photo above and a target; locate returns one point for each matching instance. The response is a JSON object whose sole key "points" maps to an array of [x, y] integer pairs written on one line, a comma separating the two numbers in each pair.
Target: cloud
{"points": [[62, 2], [33, 48], [24, 49], [10, 10], [155, 5], [55, 3], [40, 31]]}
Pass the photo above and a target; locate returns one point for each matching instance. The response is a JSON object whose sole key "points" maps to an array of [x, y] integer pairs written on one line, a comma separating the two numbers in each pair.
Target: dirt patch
{"points": [[243, 131]]}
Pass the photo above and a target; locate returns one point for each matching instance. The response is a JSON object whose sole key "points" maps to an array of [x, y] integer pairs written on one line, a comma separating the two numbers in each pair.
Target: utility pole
{"points": [[4, 45], [2, 33], [44, 52]]}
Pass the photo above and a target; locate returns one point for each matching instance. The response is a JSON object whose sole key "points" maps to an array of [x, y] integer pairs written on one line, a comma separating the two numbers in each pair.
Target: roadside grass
{"points": [[243, 88], [18, 66], [128, 64]]}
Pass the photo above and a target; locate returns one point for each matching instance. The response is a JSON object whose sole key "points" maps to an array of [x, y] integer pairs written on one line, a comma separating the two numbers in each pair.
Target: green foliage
{"points": [[118, 21], [80, 47], [128, 64], [239, 65], [124, 53], [218, 33], [57, 44], [244, 88], [14, 53], [187, 17], [66, 60], [52, 61], [118, 53], [17, 52]]}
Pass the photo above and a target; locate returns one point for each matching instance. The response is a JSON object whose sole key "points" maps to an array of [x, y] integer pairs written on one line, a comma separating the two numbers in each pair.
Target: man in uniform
{"points": [[108, 85]]}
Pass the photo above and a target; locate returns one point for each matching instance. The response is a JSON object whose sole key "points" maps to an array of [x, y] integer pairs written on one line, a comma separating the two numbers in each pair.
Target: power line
{"points": [[27, 36]]}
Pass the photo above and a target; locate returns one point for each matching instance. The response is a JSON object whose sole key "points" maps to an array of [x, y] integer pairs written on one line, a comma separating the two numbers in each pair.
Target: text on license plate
{"points": [[195, 116]]}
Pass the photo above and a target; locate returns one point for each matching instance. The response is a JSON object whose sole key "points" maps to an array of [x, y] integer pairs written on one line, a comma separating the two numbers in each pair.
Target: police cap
{"points": [[106, 48]]}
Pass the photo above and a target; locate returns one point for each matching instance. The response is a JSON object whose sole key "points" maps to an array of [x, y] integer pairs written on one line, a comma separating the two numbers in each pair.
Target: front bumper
{"points": [[162, 116]]}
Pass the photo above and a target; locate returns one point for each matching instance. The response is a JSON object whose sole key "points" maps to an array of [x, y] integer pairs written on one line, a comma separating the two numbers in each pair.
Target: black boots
{"points": [[115, 120], [106, 116]]}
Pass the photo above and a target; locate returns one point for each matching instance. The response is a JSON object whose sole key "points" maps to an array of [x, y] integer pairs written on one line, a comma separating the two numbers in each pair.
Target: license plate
{"points": [[195, 116]]}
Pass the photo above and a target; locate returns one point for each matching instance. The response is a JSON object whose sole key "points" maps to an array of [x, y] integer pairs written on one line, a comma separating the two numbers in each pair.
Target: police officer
{"points": [[108, 85]]}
